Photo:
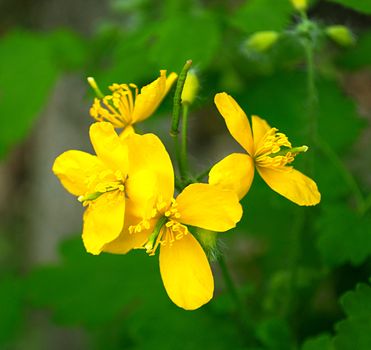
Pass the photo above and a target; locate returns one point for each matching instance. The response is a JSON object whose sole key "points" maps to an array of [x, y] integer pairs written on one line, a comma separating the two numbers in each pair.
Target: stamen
{"points": [[102, 185], [116, 108], [167, 229], [276, 150]]}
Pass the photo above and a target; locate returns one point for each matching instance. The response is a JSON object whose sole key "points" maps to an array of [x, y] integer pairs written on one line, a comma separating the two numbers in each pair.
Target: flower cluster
{"points": [[128, 187]]}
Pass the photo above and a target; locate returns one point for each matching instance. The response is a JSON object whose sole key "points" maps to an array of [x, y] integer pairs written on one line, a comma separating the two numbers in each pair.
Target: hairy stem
{"points": [[229, 282], [174, 131], [183, 165], [312, 99]]}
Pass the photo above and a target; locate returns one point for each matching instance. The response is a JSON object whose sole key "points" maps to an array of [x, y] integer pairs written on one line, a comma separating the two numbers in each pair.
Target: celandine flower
{"points": [[107, 182], [126, 106], [267, 150], [184, 267]]}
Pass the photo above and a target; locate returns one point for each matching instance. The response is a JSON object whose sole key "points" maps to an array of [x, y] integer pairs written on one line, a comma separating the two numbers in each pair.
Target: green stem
{"points": [[174, 131], [183, 165], [361, 203], [229, 283], [178, 184], [203, 174], [346, 174], [312, 104], [312, 91], [367, 204], [295, 251]]}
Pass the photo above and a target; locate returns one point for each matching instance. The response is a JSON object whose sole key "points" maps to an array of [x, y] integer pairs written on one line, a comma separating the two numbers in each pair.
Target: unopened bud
{"points": [[208, 241], [341, 35], [262, 41], [190, 89], [300, 5]]}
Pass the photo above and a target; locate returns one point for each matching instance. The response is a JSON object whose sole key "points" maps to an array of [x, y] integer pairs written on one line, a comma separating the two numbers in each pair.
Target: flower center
{"points": [[105, 181], [167, 229], [118, 107], [276, 150]]}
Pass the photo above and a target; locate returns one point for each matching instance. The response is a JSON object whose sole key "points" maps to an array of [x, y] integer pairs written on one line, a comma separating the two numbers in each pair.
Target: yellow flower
{"points": [[126, 106], [267, 150], [109, 182], [184, 267]]}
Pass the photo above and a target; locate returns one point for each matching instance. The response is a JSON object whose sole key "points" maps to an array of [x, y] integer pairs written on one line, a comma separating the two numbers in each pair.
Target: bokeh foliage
{"points": [[303, 273]]}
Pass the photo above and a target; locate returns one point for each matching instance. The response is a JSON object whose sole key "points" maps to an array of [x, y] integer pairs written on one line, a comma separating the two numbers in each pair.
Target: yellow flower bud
{"points": [[300, 5], [262, 41], [341, 35], [190, 88]]}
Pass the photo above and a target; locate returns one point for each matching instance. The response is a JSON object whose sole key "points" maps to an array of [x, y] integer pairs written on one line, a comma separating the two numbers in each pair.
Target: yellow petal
{"points": [[128, 130], [150, 97], [209, 207], [236, 120], [170, 81], [151, 174], [73, 168], [186, 273], [103, 221], [291, 184], [259, 128], [108, 146], [235, 172], [127, 241]]}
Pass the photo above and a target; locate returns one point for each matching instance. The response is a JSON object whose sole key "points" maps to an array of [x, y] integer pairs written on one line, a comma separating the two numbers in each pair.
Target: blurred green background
{"points": [[303, 273]]}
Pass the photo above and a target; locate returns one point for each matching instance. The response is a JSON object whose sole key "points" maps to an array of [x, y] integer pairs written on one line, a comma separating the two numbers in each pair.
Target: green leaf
{"points": [[27, 73], [321, 342], [274, 334], [363, 6], [358, 56], [259, 15], [165, 328], [180, 38], [69, 50], [11, 306], [128, 59], [355, 331], [326, 175], [343, 235], [91, 289], [122, 301], [282, 100]]}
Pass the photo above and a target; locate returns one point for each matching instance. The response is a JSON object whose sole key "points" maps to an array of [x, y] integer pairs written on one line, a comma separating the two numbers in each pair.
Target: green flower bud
{"points": [[190, 89], [341, 35], [208, 241], [300, 5], [262, 41]]}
